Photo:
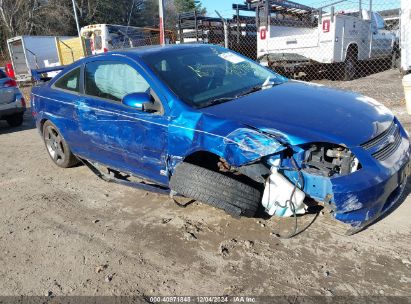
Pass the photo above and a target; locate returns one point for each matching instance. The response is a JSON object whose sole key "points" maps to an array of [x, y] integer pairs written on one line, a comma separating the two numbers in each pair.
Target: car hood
{"points": [[305, 112]]}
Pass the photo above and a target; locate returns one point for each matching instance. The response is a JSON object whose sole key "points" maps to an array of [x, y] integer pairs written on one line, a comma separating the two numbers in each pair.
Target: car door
{"points": [[382, 40], [119, 136]]}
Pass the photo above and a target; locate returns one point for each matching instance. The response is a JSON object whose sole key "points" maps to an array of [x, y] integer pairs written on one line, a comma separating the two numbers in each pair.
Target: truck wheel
{"points": [[215, 189], [395, 60], [57, 147], [15, 120], [349, 68]]}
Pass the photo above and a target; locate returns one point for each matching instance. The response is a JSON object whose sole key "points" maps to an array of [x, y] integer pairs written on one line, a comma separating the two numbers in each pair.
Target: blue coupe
{"points": [[207, 123]]}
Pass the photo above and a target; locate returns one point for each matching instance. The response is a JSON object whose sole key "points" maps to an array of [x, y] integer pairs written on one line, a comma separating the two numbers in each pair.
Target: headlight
{"points": [[329, 160]]}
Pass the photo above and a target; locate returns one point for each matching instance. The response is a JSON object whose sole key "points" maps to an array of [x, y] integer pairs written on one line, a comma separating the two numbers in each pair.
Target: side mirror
{"points": [[138, 101]]}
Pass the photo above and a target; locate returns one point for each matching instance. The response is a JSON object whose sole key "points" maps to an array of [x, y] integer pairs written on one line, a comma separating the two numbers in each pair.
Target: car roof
{"points": [[150, 49], [136, 52]]}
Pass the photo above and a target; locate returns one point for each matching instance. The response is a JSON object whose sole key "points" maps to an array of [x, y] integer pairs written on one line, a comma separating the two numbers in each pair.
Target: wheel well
{"points": [[215, 163], [204, 159], [42, 122], [352, 51]]}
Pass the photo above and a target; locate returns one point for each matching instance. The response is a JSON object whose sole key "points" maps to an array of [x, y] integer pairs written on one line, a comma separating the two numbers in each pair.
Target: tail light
{"points": [[10, 83], [105, 50], [10, 70], [23, 102]]}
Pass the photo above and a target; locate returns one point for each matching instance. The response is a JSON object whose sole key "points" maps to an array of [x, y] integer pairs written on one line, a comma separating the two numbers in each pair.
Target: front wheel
{"points": [[216, 189], [57, 147]]}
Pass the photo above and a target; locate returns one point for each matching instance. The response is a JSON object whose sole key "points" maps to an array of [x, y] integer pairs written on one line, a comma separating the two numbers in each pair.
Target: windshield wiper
{"points": [[217, 101], [266, 85]]}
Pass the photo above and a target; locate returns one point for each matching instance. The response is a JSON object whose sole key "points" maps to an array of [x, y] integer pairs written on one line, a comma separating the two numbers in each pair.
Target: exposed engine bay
{"points": [[329, 160], [284, 192]]}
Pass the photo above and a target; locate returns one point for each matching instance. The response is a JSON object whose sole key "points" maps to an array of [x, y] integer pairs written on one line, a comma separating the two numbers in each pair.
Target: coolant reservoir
{"points": [[277, 194]]}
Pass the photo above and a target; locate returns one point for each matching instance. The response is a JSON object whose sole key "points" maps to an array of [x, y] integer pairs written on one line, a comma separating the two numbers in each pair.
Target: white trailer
{"points": [[405, 24], [32, 52], [108, 37], [335, 38]]}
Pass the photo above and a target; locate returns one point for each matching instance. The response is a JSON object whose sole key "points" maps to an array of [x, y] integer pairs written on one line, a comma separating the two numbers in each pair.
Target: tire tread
{"points": [[215, 189]]}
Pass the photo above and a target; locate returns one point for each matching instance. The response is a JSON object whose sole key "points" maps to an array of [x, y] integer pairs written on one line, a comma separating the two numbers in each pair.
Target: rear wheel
{"points": [[396, 60], [15, 120], [349, 68], [57, 147], [215, 189]]}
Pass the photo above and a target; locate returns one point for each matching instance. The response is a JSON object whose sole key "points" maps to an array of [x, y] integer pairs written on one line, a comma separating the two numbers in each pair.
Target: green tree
{"points": [[189, 6]]}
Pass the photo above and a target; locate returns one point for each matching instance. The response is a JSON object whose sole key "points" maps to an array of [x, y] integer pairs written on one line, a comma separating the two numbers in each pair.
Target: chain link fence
{"points": [[340, 40], [333, 40]]}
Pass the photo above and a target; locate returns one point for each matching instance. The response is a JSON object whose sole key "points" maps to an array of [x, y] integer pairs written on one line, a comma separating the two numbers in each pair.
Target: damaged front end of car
{"points": [[357, 185]]}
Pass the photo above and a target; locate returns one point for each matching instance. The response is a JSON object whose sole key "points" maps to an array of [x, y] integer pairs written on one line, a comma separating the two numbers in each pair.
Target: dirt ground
{"points": [[66, 232]]}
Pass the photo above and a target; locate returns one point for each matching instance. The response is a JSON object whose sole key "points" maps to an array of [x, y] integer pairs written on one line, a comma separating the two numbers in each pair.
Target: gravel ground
{"points": [[65, 232]]}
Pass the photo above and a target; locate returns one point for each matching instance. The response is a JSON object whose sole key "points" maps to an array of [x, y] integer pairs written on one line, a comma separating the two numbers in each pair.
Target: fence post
{"points": [[161, 15], [225, 25], [238, 24], [196, 25], [180, 29]]}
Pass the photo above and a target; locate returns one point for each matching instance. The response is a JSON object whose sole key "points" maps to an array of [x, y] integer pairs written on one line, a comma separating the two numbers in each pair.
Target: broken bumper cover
{"points": [[362, 198], [361, 209]]}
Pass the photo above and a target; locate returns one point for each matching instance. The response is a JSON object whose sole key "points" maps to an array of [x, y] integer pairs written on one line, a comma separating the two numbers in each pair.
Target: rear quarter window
{"points": [[70, 81]]}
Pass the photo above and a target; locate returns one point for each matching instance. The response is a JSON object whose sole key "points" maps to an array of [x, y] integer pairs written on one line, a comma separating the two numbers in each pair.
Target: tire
{"points": [[215, 189], [395, 60], [57, 147], [15, 120], [349, 70]]}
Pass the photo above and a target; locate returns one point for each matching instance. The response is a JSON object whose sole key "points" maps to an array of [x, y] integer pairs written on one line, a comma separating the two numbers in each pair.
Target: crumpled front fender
{"points": [[245, 145], [237, 144]]}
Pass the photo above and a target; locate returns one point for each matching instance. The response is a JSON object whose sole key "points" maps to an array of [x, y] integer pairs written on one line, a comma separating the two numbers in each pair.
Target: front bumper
{"points": [[361, 198], [392, 196]]}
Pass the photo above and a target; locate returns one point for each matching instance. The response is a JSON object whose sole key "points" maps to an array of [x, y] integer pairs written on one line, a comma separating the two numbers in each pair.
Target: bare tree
{"points": [[56, 17], [18, 16]]}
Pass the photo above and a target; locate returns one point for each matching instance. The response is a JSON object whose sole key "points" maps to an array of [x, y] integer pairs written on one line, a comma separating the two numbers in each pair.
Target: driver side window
{"points": [[378, 21], [113, 80]]}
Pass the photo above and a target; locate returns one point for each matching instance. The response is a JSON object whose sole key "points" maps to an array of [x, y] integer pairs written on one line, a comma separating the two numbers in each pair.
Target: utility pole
{"points": [[76, 17], [161, 15]]}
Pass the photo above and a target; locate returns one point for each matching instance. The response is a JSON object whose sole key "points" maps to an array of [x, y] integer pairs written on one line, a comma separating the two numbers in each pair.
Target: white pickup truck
{"points": [[405, 36], [335, 38]]}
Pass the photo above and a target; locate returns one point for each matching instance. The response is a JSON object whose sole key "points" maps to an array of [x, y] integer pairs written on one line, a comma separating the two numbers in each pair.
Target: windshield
{"points": [[202, 75]]}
